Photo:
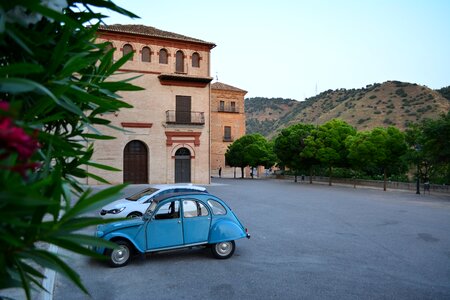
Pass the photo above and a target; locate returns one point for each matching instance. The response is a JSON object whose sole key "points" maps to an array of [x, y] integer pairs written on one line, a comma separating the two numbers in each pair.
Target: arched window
{"points": [[108, 47], [146, 54], [163, 56], [127, 48], [196, 60], [179, 62]]}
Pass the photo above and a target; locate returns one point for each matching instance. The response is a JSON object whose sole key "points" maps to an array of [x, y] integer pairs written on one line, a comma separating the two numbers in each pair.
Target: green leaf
{"points": [[98, 136], [119, 86], [87, 240], [23, 278], [116, 66], [86, 202], [82, 222], [13, 35], [52, 261], [73, 246], [101, 166], [110, 5], [98, 178], [20, 69]]}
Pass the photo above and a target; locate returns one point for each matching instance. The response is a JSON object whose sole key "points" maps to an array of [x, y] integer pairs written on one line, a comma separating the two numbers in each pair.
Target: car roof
{"points": [[178, 186], [171, 195]]}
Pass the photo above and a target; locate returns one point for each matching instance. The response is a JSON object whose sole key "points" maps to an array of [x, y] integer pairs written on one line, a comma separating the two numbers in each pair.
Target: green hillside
{"points": [[390, 103]]}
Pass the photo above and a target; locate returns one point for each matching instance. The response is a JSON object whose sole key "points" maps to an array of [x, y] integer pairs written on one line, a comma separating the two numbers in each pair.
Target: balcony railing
{"points": [[228, 108], [185, 117], [228, 139]]}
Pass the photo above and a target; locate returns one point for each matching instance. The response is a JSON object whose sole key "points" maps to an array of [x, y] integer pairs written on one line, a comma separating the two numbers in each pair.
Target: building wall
{"points": [[220, 119], [146, 121]]}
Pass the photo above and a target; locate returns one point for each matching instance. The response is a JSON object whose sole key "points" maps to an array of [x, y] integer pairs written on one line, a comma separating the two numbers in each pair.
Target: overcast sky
{"points": [[293, 49]]}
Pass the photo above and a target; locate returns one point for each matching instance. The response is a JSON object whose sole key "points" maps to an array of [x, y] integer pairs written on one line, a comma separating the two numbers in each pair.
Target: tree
{"points": [[55, 89], [327, 144], [250, 150], [430, 147], [380, 148], [289, 144], [362, 150]]}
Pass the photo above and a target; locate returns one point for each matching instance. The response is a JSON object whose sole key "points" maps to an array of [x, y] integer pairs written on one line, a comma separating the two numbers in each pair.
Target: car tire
{"points": [[134, 214], [121, 255], [223, 250]]}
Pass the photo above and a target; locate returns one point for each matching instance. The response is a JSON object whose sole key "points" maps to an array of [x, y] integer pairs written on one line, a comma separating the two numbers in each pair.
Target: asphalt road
{"points": [[308, 242]]}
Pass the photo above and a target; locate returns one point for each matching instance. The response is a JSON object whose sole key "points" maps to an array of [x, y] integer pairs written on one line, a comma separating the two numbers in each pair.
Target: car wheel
{"points": [[120, 256], [134, 214], [223, 250]]}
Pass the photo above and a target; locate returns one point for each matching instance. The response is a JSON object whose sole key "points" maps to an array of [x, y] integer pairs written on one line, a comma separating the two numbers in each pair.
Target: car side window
{"points": [[192, 208], [170, 210], [216, 207]]}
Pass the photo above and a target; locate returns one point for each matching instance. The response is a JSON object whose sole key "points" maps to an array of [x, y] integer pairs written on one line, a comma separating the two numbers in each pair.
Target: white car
{"points": [[135, 206]]}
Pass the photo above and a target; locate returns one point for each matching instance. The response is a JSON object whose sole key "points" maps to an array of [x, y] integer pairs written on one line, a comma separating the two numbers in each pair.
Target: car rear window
{"points": [[137, 196], [216, 207]]}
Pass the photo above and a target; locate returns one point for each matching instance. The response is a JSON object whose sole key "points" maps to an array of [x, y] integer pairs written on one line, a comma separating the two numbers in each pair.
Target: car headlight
{"points": [[115, 211]]}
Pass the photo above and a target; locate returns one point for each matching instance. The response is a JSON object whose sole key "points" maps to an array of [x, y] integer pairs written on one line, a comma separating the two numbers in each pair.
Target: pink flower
{"points": [[4, 106], [14, 139]]}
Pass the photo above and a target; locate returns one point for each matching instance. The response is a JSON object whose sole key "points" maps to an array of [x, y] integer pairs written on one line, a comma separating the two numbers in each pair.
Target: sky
{"points": [[296, 49]]}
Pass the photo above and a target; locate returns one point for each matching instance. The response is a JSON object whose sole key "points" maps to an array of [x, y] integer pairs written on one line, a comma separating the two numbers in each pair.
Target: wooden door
{"points": [[135, 162], [182, 165], [183, 109]]}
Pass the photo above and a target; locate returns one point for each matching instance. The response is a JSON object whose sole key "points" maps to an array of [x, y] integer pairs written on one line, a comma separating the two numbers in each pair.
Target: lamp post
{"points": [[418, 181], [417, 148]]}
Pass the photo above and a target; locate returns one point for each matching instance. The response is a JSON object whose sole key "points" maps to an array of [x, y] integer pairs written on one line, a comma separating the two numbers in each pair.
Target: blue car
{"points": [[174, 221]]}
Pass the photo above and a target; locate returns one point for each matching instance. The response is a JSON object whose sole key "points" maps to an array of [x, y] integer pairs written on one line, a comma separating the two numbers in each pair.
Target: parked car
{"points": [[135, 205], [173, 221]]}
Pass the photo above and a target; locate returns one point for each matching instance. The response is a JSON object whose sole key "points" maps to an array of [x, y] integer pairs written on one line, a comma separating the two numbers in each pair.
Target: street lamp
{"points": [[417, 148]]}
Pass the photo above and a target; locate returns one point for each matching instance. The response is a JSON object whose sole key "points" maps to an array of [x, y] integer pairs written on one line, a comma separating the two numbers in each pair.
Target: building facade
{"points": [[166, 135], [227, 123]]}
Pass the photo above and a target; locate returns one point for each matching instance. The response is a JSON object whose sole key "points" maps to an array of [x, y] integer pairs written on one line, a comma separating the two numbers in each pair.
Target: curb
{"points": [[49, 279]]}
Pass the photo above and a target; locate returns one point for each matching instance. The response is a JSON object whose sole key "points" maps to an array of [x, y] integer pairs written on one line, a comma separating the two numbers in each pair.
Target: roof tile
{"points": [[222, 86], [152, 32]]}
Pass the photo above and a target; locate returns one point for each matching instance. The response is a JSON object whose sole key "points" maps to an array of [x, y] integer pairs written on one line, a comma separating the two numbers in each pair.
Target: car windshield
{"points": [[151, 208], [137, 196]]}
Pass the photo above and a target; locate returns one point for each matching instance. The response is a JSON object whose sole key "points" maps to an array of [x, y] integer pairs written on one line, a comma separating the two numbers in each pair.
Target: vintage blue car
{"points": [[175, 221]]}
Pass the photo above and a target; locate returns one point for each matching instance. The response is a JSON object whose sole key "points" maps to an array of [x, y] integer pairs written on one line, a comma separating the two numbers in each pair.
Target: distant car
{"points": [[134, 206], [173, 221]]}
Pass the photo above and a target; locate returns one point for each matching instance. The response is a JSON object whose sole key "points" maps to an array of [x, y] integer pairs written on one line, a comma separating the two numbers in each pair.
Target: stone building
{"points": [[227, 122], [166, 135]]}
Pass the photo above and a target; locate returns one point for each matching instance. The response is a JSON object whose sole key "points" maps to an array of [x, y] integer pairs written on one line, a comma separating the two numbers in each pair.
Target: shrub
{"points": [[55, 89], [401, 92]]}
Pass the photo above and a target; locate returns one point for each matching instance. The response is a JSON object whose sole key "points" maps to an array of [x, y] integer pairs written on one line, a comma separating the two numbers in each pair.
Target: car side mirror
{"points": [[147, 216]]}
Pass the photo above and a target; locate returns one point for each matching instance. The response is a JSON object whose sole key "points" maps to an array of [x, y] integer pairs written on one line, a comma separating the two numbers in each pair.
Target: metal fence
{"points": [[411, 186]]}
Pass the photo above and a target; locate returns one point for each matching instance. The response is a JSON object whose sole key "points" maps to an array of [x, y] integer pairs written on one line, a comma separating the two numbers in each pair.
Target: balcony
{"points": [[228, 109], [185, 117], [228, 139]]}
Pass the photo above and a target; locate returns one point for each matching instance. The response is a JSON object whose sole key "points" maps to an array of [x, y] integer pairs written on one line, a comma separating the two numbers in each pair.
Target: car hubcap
{"points": [[223, 249], [120, 255]]}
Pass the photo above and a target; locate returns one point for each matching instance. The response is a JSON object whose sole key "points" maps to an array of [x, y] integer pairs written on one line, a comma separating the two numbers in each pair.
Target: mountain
{"points": [[381, 104]]}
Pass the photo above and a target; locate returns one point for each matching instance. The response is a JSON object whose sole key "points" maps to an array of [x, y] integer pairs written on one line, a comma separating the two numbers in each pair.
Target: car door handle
{"points": [[179, 222]]}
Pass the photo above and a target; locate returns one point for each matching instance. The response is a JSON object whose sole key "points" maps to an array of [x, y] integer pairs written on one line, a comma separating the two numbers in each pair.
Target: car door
{"points": [[165, 229], [196, 221]]}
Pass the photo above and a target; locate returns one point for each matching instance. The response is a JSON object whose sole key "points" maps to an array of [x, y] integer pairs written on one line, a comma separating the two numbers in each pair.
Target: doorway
{"points": [[182, 165], [135, 162]]}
